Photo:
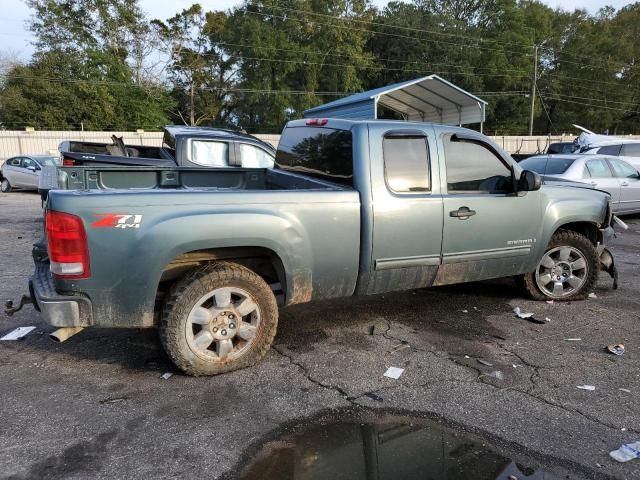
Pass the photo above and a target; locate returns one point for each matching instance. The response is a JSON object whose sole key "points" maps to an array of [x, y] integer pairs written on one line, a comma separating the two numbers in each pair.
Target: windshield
{"points": [[547, 165]]}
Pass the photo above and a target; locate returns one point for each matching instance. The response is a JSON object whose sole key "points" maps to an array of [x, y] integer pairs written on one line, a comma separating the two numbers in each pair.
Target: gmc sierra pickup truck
{"points": [[186, 147], [351, 208]]}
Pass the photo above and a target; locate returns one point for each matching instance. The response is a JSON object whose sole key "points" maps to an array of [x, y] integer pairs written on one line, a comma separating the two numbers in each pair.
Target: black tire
{"points": [[5, 186], [186, 295], [570, 239]]}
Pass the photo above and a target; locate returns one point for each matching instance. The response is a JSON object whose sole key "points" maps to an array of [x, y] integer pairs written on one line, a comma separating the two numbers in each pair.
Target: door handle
{"points": [[624, 184], [462, 213]]}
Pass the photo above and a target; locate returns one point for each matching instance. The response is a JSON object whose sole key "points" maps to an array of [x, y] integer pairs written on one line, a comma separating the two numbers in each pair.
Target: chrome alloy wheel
{"points": [[223, 324], [561, 272]]}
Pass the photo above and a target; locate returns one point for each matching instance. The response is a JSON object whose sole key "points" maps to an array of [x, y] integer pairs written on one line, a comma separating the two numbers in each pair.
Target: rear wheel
{"points": [[568, 269], [5, 186], [219, 318]]}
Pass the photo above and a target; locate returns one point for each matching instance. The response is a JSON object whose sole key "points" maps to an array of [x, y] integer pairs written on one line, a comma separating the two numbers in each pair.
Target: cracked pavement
{"points": [[96, 407]]}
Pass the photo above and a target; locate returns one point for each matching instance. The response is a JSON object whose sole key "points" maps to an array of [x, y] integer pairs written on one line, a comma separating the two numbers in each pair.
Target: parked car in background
{"points": [[562, 147], [185, 147], [627, 148], [24, 172], [613, 175]]}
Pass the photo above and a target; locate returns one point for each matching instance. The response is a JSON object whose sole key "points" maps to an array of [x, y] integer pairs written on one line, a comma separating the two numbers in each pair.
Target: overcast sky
{"points": [[15, 39]]}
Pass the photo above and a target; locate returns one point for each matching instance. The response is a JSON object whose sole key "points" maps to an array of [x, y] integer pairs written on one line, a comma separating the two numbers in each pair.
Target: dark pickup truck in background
{"points": [[186, 147]]}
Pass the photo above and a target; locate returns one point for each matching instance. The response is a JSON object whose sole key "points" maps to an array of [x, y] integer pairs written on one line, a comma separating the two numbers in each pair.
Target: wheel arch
{"points": [[264, 261], [585, 228]]}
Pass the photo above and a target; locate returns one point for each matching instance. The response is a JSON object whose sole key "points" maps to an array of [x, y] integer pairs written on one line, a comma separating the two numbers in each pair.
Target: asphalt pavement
{"points": [[97, 407]]}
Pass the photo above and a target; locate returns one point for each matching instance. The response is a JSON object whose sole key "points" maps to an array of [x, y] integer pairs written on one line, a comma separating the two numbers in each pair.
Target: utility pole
{"points": [[533, 87]]}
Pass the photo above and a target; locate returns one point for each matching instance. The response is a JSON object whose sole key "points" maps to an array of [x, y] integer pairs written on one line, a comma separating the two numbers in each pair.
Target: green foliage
{"points": [[264, 62]]}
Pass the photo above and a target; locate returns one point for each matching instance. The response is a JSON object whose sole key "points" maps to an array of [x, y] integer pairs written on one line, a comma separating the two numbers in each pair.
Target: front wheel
{"points": [[5, 186], [219, 318], [568, 269]]}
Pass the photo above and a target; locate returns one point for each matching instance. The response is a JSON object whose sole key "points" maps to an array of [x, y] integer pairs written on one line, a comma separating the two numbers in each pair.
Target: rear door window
{"points": [[14, 162], [631, 150], [320, 152], [599, 168], [623, 169], [209, 154], [406, 163], [610, 150]]}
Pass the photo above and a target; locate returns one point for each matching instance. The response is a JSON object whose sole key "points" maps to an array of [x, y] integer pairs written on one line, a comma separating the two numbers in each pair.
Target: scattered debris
{"points": [[593, 295], [572, 339], [598, 465], [616, 349], [467, 356], [18, 333], [400, 346], [623, 429], [550, 302], [520, 314], [497, 374], [465, 311], [515, 365], [475, 308], [625, 390], [547, 319], [394, 372], [372, 329], [484, 362], [626, 452], [373, 396], [166, 376], [586, 387]]}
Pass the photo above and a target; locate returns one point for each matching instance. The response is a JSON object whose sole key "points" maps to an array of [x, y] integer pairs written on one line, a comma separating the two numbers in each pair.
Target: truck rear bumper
{"points": [[58, 310]]}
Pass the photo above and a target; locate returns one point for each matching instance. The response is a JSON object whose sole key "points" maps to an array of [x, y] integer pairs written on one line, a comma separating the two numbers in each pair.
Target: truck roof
{"points": [[348, 124], [210, 132]]}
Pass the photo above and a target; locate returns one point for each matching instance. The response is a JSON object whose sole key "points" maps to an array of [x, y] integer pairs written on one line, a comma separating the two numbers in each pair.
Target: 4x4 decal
{"points": [[117, 220]]}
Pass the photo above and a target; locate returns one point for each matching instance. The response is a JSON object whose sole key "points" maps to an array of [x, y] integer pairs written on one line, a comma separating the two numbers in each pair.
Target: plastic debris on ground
{"points": [[520, 314], [393, 372], [166, 376], [616, 349], [18, 333], [550, 302], [465, 311], [626, 452], [572, 339], [593, 295], [547, 319], [497, 374], [484, 362], [586, 387], [625, 390]]}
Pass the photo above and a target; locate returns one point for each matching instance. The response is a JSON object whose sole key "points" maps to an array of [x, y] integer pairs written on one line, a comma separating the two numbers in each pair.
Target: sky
{"points": [[15, 39]]}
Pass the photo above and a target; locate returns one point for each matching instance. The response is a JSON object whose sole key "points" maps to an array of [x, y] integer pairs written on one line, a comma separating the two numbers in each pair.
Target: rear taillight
{"points": [[68, 162], [67, 240]]}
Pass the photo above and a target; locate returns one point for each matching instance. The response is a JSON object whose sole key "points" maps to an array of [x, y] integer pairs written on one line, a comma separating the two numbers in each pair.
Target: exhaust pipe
{"points": [[65, 333]]}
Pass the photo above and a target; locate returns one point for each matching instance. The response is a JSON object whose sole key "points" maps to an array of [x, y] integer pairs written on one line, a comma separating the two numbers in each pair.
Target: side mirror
{"points": [[529, 181], [32, 168]]}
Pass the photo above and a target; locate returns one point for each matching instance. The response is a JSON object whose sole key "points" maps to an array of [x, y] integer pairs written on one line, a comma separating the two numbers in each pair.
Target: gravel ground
{"points": [[96, 407]]}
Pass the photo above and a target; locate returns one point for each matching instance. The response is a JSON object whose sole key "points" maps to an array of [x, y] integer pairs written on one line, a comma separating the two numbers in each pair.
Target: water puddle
{"points": [[384, 449]]}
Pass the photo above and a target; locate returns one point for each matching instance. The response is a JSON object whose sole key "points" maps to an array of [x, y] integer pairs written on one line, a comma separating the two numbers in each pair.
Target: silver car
{"points": [[611, 174], [23, 172]]}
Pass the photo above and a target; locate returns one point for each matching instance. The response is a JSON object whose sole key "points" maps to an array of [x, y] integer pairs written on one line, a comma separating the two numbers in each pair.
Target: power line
{"points": [[591, 105]]}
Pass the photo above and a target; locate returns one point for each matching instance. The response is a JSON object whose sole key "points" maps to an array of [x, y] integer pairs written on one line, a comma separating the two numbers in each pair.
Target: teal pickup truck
{"points": [[350, 208]]}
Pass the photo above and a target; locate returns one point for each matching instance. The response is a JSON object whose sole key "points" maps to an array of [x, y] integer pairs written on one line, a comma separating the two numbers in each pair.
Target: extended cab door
{"points": [[407, 208], [489, 230]]}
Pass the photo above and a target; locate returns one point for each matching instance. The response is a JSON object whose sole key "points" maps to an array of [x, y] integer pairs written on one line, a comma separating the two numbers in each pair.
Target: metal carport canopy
{"points": [[427, 99]]}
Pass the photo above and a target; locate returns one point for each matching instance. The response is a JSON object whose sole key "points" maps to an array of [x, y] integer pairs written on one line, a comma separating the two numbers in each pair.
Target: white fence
{"points": [[13, 143]]}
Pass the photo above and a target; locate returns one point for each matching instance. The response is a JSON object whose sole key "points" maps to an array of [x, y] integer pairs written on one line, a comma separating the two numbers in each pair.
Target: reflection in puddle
{"points": [[382, 451]]}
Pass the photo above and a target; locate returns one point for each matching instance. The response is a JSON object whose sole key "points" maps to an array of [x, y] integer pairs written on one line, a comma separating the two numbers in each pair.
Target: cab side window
{"points": [[209, 154], [254, 157], [406, 163], [27, 162], [473, 168], [599, 168], [14, 162], [630, 150]]}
